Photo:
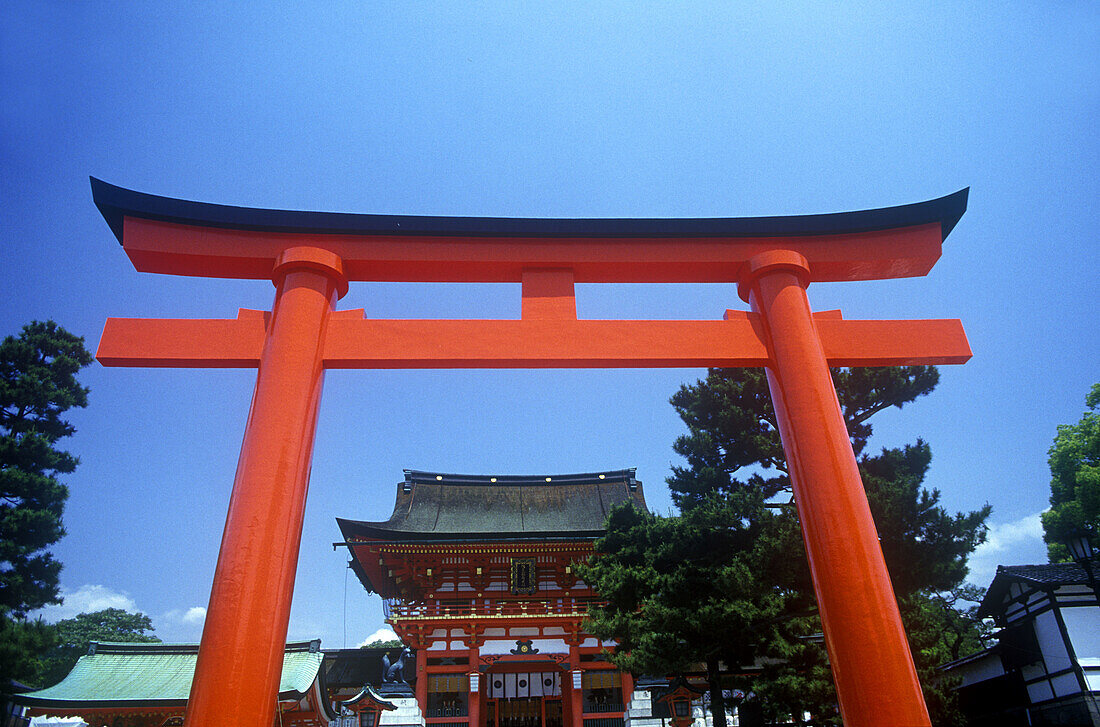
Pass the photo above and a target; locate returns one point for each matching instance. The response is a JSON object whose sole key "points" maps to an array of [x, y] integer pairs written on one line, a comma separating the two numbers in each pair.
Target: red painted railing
{"points": [[452, 607]]}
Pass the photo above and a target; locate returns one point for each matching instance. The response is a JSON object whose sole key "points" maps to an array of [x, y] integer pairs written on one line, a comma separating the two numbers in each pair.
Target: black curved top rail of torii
{"points": [[166, 235]]}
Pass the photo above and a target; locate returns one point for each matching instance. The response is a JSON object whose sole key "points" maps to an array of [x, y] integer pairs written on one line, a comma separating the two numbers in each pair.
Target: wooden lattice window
{"points": [[448, 683], [602, 691], [448, 695]]}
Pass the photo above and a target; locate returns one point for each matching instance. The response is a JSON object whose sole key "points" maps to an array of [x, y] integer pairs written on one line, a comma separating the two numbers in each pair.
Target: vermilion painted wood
{"points": [[537, 343], [241, 655], [548, 295], [574, 695], [237, 674], [176, 249], [473, 713], [421, 676], [875, 678]]}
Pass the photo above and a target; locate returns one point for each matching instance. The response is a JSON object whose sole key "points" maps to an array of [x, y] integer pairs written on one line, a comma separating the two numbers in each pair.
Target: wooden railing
{"points": [[443, 608]]}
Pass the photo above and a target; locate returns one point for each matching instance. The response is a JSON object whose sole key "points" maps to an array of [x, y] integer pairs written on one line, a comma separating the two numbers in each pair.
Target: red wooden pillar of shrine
{"points": [[474, 698], [572, 688], [869, 653], [249, 610], [422, 676]]}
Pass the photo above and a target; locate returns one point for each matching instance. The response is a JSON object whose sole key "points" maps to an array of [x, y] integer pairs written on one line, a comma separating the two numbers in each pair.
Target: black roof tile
{"points": [[434, 506], [1044, 576], [1054, 574]]}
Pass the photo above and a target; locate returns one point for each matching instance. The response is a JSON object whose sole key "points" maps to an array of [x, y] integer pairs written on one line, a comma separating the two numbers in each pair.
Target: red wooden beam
{"points": [[352, 343], [181, 237], [164, 247]]}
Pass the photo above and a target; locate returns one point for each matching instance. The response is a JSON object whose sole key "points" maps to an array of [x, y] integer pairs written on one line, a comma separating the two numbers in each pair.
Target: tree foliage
{"points": [[384, 644], [733, 438], [74, 635], [37, 386], [734, 456], [925, 547], [1075, 481], [942, 627], [23, 645], [675, 597]]}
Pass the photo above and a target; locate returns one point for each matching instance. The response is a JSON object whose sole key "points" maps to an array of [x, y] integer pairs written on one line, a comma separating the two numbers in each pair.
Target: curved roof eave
{"points": [[105, 678], [374, 531], [116, 203]]}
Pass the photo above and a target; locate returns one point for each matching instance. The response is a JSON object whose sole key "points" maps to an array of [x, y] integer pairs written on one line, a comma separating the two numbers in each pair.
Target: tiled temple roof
{"points": [[1044, 576], [1054, 574], [148, 675], [435, 506]]}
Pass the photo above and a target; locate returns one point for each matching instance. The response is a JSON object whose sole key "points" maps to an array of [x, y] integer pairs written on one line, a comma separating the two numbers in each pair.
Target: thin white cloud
{"points": [[1019, 542], [181, 624], [194, 615], [86, 599], [382, 634]]}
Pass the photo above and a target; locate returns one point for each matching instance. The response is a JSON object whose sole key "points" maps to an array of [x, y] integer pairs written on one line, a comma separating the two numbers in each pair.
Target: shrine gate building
{"points": [[477, 575]]}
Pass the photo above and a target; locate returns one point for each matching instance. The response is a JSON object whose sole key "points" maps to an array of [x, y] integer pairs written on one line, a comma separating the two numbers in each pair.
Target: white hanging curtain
{"points": [[524, 685], [510, 686], [536, 685]]}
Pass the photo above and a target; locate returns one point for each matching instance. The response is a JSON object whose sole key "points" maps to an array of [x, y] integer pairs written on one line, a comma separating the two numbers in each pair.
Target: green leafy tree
{"points": [[37, 386], [732, 447], [75, 634], [1075, 481], [387, 644]]}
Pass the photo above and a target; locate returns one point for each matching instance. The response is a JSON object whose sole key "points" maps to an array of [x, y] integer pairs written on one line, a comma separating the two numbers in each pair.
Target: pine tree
{"points": [[733, 439], [733, 452], [23, 645], [925, 547], [685, 590], [37, 386]]}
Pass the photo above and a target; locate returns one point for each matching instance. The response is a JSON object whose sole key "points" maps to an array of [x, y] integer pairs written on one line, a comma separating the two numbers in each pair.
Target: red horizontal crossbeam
{"points": [[352, 342], [165, 247]]}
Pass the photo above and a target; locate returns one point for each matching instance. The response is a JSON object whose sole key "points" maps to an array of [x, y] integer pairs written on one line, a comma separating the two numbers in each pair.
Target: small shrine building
{"points": [[477, 576], [148, 684]]}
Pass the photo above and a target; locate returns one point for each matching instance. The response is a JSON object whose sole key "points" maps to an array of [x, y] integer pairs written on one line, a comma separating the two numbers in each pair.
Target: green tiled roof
{"points": [[121, 675]]}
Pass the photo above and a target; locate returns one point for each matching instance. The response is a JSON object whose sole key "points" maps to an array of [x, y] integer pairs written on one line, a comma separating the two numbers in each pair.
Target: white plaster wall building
{"points": [[1045, 667]]}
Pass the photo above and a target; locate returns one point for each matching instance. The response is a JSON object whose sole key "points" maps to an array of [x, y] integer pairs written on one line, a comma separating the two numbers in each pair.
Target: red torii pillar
{"points": [[311, 257]]}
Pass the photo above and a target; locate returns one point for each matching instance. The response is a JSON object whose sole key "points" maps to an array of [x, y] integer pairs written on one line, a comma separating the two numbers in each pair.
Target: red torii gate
{"points": [[311, 257]]}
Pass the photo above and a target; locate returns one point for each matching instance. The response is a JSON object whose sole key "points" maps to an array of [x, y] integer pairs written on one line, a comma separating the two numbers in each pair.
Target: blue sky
{"points": [[513, 109]]}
